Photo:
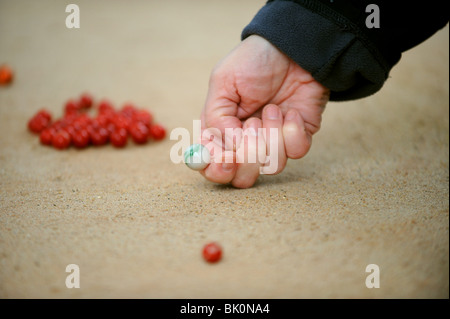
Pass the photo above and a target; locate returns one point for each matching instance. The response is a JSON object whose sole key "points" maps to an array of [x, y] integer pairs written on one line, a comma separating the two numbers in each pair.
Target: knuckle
{"points": [[298, 152], [242, 182]]}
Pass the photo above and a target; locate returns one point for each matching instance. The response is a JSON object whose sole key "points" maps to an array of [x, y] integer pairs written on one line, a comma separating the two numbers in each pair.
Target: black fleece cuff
{"points": [[330, 49]]}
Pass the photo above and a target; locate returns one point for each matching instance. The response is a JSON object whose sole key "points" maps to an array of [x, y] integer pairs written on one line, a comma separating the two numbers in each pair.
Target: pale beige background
{"points": [[373, 189]]}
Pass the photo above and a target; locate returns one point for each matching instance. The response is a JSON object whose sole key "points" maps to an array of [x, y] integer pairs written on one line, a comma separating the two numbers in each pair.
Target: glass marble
{"points": [[197, 157]]}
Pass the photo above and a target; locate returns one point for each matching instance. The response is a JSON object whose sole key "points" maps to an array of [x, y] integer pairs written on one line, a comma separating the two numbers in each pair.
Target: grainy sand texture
{"points": [[374, 188]]}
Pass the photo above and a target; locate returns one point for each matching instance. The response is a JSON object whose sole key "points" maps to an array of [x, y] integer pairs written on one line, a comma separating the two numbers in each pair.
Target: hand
{"points": [[258, 86]]}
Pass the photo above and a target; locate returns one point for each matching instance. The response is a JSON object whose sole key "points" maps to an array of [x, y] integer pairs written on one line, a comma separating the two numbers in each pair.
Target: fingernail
{"points": [[291, 115], [251, 131], [272, 112], [227, 167]]}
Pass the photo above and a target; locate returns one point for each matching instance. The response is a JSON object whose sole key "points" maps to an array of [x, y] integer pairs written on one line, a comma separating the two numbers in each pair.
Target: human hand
{"points": [[257, 86]]}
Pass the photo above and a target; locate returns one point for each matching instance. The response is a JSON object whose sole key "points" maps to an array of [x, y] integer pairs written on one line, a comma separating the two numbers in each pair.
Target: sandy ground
{"points": [[373, 190]]}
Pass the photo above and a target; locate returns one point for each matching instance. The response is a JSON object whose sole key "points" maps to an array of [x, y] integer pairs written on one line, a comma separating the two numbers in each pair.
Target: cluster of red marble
{"points": [[79, 129]]}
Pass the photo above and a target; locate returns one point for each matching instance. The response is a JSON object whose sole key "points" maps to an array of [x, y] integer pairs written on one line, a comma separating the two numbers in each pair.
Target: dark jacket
{"points": [[332, 40]]}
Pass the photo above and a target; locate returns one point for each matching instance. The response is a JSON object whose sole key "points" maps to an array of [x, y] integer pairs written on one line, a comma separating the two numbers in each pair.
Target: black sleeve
{"points": [[331, 40]]}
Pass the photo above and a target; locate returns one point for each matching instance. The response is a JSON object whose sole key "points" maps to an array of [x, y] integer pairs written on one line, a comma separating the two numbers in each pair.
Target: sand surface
{"points": [[374, 188]]}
